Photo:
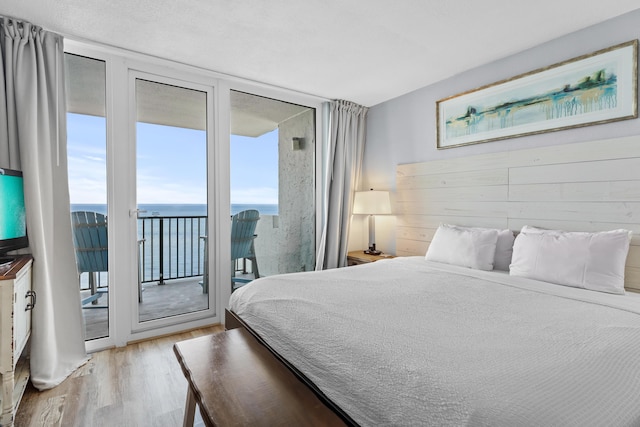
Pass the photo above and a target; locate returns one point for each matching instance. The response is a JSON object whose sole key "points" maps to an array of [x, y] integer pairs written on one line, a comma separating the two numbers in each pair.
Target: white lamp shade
{"points": [[372, 202]]}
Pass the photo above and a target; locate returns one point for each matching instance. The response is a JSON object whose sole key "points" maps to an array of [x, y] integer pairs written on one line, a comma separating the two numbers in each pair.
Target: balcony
{"points": [[172, 260]]}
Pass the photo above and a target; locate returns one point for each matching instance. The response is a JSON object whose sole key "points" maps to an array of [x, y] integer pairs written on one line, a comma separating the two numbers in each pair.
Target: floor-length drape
{"points": [[347, 128], [33, 139]]}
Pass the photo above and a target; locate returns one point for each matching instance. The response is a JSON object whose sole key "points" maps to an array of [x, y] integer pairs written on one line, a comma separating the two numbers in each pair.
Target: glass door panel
{"points": [[87, 168], [272, 158], [171, 196]]}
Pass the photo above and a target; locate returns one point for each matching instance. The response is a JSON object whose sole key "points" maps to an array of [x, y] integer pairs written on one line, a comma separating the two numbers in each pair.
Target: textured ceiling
{"points": [[366, 51]]}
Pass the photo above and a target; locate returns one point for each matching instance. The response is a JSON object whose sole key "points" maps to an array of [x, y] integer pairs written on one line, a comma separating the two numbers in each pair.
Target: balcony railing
{"points": [[172, 247]]}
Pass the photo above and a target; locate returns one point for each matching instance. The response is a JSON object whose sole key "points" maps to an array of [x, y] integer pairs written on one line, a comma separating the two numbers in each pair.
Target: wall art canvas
{"points": [[597, 88]]}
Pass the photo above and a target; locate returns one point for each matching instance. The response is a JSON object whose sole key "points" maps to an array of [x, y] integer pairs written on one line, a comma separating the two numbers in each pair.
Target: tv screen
{"points": [[13, 219]]}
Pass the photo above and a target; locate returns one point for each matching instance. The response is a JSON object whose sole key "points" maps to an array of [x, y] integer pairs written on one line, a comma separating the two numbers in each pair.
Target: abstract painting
{"points": [[596, 88]]}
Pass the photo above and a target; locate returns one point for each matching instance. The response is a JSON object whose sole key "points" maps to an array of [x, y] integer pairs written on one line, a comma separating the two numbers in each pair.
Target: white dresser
{"points": [[16, 302]]}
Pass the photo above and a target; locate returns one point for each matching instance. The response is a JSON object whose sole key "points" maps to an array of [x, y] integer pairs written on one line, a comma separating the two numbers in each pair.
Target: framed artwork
{"points": [[596, 88]]}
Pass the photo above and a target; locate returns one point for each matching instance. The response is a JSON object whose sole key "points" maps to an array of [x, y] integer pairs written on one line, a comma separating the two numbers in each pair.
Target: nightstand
{"points": [[359, 257]]}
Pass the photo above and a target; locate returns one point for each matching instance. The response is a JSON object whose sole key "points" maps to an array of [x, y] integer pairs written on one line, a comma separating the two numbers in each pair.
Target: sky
{"points": [[171, 164]]}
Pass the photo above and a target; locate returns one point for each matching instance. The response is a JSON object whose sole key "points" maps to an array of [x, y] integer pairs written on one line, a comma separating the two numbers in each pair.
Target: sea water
{"points": [[177, 210]]}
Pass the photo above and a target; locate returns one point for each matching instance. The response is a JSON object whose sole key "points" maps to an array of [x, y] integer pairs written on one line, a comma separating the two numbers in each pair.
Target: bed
{"points": [[446, 339], [410, 342]]}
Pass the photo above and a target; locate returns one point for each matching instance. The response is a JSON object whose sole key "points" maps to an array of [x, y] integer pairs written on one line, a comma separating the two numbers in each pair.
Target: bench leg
{"points": [[190, 409]]}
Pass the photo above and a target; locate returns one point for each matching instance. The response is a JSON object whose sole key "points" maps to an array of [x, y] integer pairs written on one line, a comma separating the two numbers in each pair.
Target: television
{"points": [[13, 218]]}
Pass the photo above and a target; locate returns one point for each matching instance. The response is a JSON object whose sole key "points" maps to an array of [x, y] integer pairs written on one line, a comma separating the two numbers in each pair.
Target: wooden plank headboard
{"points": [[589, 186]]}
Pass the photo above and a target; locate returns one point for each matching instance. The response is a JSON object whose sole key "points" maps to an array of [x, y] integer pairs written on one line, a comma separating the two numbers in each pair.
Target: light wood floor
{"points": [[137, 385]]}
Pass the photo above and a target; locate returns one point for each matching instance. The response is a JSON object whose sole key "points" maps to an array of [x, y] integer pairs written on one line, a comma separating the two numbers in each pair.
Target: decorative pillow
{"points": [[592, 261], [504, 246], [466, 247], [504, 249]]}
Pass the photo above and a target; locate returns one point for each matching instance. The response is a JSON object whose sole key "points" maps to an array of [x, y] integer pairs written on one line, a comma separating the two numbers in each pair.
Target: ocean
{"points": [[177, 210]]}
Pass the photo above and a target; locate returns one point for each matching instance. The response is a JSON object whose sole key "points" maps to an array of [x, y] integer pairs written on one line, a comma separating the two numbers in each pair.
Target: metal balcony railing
{"points": [[171, 247]]}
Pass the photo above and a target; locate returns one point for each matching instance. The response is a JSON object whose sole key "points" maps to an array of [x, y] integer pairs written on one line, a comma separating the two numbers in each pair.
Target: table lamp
{"points": [[372, 203]]}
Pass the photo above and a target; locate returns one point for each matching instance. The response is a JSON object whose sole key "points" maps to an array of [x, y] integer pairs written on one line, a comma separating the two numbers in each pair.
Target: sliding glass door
{"points": [[171, 135], [161, 182]]}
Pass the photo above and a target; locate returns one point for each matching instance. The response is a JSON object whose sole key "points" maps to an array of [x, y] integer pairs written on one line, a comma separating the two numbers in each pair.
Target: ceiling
{"points": [[365, 51], [168, 105]]}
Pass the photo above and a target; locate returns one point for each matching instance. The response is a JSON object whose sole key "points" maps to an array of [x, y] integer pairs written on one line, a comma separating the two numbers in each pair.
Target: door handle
{"points": [[32, 304], [133, 213]]}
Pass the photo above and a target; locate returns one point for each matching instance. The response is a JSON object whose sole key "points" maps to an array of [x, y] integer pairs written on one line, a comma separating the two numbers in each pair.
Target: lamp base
{"points": [[372, 250]]}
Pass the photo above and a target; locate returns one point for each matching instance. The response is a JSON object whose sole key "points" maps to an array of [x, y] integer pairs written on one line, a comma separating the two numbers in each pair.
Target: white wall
{"points": [[403, 129]]}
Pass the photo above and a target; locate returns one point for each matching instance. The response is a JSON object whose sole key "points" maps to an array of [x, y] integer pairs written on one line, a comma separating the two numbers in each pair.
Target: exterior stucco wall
{"points": [[286, 242]]}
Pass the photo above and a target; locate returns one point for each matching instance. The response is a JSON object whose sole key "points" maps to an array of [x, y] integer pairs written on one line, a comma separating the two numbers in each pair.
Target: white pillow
{"points": [[504, 246], [592, 261], [504, 249], [466, 247]]}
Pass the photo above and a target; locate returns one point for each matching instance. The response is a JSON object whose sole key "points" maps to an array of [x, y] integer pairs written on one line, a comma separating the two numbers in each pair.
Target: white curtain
{"points": [[347, 128], [33, 139]]}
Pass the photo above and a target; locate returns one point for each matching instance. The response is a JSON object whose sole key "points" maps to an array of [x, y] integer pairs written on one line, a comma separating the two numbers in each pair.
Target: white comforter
{"points": [[407, 342]]}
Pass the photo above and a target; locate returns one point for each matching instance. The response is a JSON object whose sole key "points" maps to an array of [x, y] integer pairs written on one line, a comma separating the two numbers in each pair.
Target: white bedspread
{"points": [[406, 342]]}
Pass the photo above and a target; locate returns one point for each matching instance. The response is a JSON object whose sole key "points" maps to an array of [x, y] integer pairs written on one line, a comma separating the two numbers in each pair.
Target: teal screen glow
{"points": [[12, 212]]}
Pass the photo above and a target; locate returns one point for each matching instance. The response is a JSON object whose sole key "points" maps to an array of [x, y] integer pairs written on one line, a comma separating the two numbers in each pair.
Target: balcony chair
{"points": [[243, 227], [90, 243]]}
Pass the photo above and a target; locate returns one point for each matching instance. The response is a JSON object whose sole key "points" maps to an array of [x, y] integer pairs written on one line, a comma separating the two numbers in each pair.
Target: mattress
{"points": [[408, 342]]}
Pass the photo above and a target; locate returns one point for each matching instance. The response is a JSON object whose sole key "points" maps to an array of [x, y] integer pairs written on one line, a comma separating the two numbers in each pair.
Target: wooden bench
{"points": [[236, 380]]}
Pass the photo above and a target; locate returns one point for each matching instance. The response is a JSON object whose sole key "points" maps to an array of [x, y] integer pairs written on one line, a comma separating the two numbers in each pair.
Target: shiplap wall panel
{"points": [[590, 186], [432, 221], [454, 179], [633, 259], [456, 194], [617, 191], [414, 233], [468, 208], [612, 212], [569, 225], [631, 279], [593, 171], [609, 149], [411, 247]]}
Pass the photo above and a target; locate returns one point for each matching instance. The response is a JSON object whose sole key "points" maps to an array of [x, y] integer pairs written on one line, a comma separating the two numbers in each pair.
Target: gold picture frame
{"points": [[599, 87]]}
